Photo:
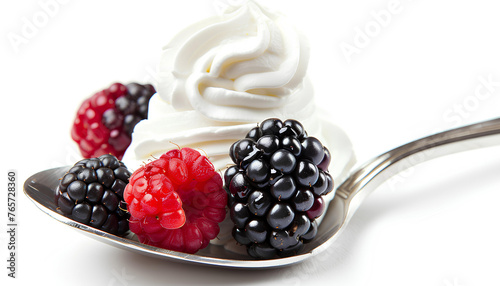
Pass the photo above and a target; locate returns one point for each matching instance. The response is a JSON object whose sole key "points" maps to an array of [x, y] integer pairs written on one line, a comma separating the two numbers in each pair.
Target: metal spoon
{"points": [[349, 196]]}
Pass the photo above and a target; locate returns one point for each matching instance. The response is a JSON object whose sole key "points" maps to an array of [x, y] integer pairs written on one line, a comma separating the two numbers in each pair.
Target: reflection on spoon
{"points": [[349, 196]]}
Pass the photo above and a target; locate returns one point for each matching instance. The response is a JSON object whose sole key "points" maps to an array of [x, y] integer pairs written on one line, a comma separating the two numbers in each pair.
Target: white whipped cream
{"points": [[222, 76], [219, 78], [241, 67]]}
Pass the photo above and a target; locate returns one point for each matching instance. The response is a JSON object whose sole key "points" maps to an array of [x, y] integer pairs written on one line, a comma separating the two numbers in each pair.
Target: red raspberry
{"points": [[177, 201], [105, 121]]}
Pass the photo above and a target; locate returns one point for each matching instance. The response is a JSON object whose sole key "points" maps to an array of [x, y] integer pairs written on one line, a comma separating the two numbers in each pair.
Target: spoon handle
{"points": [[372, 174]]}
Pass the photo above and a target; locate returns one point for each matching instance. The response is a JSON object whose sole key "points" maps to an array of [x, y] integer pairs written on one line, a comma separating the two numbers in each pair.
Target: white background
{"points": [[412, 73]]}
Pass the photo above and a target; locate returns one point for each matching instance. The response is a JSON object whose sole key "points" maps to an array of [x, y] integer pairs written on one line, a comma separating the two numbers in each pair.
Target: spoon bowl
{"points": [[40, 188]]}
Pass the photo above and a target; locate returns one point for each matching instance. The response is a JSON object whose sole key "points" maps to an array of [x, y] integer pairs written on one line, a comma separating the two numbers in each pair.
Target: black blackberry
{"points": [[91, 192], [276, 188]]}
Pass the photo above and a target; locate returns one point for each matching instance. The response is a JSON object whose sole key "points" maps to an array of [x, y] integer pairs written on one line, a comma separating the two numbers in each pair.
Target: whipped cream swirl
{"points": [[247, 65], [222, 76]]}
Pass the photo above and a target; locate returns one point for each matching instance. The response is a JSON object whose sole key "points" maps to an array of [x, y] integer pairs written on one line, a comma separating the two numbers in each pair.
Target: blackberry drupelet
{"points": [[105, 121], [91, 192], [276, 188]]}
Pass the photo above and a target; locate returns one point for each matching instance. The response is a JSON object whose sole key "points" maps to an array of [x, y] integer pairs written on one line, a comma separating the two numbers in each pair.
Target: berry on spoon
{"points": [[276, 188], [177, 201], [91, 192], [105, 121]]}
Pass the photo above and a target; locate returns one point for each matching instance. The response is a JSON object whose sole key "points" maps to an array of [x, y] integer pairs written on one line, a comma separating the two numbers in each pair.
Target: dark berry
{"points": [[271, 126], [300, 226], [122, 209], [286, 131], [303, 200], [280, 239], [259, 203], [91, 193], [109, 161], [87, 175], [326, 160], [276, 188], [330, 185], [134, 90], [229, 174], [122, 225], [239, 215], [129, 122], [77, 191], [66, 180], [92, 163], [256, 231], [122, 173], [292, 144], [82, 212], [118, 187], [105, 121], [99, 216], [240, 236], [280, 216], [317, 209], [241, 149], [112, 119], [105, 176], [111, 224], [319, 188], [312, 150], [274, 177], [284, 188], [65, 203], [258, 171], [110, 200], [283, 160], [74, 170], [268, 144], [244, 151], [306, 173], [125, 105], [324, 185], [254, 134], [296, 126], [239, 187], [311, 233], [255, 154], [95, 191]]}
